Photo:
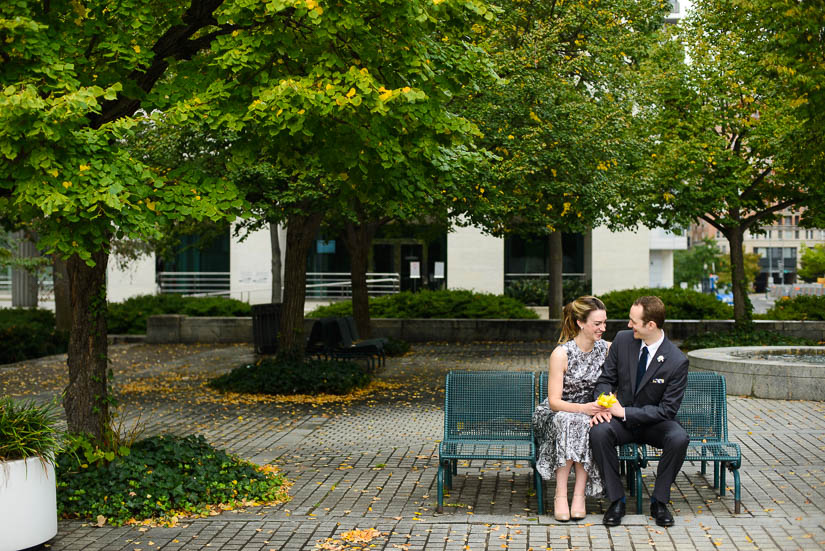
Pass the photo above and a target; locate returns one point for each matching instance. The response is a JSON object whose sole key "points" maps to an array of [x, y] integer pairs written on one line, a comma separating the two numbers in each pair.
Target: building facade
{"points": [[778, 246]]}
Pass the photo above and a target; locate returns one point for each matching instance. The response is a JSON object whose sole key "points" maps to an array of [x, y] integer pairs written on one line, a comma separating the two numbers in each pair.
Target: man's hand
{"points": [[617, 410], [601, 417]]}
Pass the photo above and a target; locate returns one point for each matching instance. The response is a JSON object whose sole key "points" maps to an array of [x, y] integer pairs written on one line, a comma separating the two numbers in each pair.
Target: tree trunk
{"points": [[86, 399], [62, 296], [358, 239], [554, 282], [300, 232], [742, 309], [277, 282], [24, 283]]}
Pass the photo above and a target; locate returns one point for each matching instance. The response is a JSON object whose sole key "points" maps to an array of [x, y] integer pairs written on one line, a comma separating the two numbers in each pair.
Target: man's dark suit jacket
{"points": [[662, 388]]}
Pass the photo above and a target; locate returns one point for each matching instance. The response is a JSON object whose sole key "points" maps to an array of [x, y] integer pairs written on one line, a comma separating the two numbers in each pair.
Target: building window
{"points": [[779, 234], [796, 234]]}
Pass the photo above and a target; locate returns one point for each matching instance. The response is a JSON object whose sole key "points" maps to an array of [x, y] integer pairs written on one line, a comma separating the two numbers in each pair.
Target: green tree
{"points": [[73, 75], [812, 262], [693, 265], [347, 109], [751, 266], [561, 118], [727, 133]]}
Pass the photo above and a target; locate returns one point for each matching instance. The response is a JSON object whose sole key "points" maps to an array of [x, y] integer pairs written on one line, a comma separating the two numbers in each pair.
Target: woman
{"points": [[562, 420]]}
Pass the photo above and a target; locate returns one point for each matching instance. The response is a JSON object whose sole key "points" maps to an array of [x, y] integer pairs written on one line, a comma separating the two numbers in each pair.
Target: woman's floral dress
{"points": [[562, 435]]}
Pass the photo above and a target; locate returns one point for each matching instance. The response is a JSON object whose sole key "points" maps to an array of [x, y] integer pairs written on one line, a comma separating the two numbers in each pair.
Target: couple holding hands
{"points": [[646, 373]]}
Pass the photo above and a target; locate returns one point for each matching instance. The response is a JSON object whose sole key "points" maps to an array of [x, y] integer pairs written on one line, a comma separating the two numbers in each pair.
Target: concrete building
{"points": [[778, 247]]}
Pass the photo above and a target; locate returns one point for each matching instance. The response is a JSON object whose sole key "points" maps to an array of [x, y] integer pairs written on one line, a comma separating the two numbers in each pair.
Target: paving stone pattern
{"points": [[371, 463]]}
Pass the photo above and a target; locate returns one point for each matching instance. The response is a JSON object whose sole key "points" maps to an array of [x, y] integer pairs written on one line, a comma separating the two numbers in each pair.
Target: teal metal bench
{"points": [[629, 457], [487, 416], [704, 415]]}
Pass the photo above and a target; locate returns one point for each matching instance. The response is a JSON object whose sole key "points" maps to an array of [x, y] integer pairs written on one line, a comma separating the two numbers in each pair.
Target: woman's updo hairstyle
{"points": [[578, 310]]}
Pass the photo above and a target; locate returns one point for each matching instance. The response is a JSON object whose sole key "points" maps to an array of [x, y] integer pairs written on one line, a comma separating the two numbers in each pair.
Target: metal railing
{"points": [[45, 286], [339, 285], [189, 283], [318, 284]]}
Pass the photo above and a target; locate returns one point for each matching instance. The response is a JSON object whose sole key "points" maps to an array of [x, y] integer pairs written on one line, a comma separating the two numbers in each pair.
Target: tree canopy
{"points": [[729, 134]]}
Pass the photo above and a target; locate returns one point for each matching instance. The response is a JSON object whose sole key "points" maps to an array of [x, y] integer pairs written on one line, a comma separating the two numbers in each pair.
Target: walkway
{"points": [[371, 464]]}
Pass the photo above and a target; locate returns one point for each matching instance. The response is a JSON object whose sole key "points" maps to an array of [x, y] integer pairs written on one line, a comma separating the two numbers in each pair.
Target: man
{"points": [[649, 375]]}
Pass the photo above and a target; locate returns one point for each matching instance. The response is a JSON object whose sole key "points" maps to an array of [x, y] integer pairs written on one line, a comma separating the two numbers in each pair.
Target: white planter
{"points": [[28, 504]]}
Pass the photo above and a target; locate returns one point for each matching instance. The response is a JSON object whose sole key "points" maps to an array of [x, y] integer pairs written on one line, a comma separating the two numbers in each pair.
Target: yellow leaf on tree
{"points": [[150, 205], [311, 4], [53, 172], [67, 184], [351, 92], [84, 167], [385, 95], [136, 48]]}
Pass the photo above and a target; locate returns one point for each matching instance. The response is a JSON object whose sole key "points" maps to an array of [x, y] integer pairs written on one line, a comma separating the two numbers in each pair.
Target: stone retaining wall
{"points": [[185, 329]]}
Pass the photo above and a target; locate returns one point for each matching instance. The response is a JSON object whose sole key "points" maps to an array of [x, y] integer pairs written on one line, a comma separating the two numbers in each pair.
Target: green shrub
{"points": [[738, 337], [435, 304], [161, 476], [285, 376], [27, 334], [28, 430], [802, 307], [129, 316], [533, 291], [680, 304]]}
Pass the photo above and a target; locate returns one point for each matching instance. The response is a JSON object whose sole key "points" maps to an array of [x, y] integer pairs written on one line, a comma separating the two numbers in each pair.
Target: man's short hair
{"points": [[653, 309]]}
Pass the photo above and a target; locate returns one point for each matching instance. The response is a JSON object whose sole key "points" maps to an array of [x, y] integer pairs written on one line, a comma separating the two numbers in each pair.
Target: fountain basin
{"points": [[774, 372]]}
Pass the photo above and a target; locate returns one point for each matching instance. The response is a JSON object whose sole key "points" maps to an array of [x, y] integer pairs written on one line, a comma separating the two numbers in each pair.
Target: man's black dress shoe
{"points": [[613, 515], [660, 513]]}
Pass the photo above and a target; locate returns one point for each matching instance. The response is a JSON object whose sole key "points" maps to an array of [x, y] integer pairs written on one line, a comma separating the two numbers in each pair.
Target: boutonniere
{"points": [[660, 359]]}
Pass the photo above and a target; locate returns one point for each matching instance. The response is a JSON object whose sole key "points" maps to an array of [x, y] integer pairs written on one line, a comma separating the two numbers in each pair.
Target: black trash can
{"points": [[265, 321]]}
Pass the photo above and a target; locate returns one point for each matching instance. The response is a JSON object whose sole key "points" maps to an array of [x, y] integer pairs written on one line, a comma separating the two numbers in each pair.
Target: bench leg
{"points": [[454, 464], [539, 484], [737, 496], [625, 468], [716, 474], [721, 468], [440, 483], [638, 490]]}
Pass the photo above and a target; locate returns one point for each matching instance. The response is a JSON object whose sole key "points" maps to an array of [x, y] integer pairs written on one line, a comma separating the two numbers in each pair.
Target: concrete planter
{"points": [[28, 503]]}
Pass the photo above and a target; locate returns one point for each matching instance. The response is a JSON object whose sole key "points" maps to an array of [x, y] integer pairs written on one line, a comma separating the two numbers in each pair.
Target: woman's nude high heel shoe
{"points": [[578, 509], [561, 512]]}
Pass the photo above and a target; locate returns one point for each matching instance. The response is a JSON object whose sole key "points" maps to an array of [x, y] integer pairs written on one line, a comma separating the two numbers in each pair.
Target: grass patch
{"points": [[160, 479]]}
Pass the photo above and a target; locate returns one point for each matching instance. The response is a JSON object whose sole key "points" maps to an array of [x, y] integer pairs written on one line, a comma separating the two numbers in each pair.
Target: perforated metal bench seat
{"points": [[704, 415], [488, 416]]}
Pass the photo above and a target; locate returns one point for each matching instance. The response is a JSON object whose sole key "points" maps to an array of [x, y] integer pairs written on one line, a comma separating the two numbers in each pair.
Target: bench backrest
{"points": [[489, 405], [703, 412]]}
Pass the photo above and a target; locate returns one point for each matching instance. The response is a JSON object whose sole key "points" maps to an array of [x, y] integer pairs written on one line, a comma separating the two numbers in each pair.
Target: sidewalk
{"points": [[371, 464]]}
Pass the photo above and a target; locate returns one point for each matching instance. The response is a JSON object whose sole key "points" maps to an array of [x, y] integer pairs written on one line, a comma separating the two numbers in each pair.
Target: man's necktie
{"points": [[641, 368]]}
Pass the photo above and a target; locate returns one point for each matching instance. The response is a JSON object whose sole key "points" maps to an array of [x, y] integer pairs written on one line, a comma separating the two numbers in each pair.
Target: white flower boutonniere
{"points": [[661, 359]]}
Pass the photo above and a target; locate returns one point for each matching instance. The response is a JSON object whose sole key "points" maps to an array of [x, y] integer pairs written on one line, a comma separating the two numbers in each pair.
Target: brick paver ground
{"points": [[371, 463]]}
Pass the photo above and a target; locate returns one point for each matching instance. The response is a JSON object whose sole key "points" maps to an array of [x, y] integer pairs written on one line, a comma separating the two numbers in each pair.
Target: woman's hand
{"points": [[592, 408]]}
